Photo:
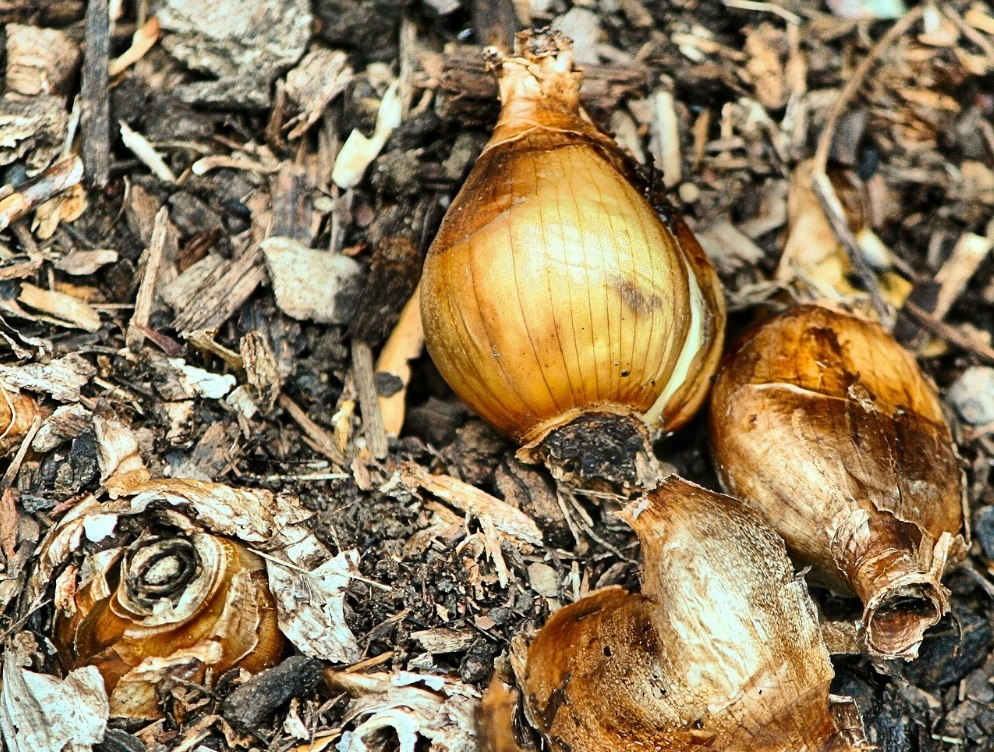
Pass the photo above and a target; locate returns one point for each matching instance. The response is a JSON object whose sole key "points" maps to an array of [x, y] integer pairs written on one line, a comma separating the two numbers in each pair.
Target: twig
{"points": [[969, 32], [823, 186], [856, 81], [95, 93], [948, 333], [146, 290], [138, 145], [320, 439], [785, 14], [970, 569], [369, 400], [57, 179]]}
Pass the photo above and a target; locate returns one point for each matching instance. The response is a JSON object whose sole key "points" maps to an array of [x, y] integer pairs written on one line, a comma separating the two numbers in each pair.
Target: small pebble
{"points": [[689, 192], [973, 395]]}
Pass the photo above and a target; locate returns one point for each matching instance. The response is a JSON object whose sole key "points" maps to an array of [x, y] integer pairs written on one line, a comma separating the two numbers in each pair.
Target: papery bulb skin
{"points": [[826, 426], [553, 288], [172, 605], [720, 651]]}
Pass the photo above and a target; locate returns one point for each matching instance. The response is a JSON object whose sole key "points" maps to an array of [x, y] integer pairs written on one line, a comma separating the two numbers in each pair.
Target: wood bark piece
{"points": [[495, 23], [95, 94], [372, 419], [32, 129], [210, 301], [39, 61], [292, 208], [58, 178], [152, 262]]}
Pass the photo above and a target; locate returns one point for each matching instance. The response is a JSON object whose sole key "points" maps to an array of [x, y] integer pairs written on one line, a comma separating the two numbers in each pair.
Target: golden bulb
{"points": [[553, 288]]}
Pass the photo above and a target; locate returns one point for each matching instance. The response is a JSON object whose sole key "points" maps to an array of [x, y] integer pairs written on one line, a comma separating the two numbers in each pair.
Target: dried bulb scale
{"points": [[169, 605], [720, 651], [553, 289], [825, 425], [812, 251]]}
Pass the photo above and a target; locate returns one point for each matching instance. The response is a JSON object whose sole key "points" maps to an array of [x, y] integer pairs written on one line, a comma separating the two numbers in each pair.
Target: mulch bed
{"points": [[199, 145]]}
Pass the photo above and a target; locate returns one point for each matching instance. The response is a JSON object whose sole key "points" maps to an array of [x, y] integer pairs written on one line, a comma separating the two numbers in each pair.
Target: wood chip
{"points": [[212, 294], [61, 309], [95, 94], [309, 284], [58, 178], [39, 61], [320, 77], [968, 254], [83, 263], [150, 263], [369, 403]]}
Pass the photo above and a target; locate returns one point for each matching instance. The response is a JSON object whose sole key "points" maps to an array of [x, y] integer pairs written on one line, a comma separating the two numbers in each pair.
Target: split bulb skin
{"points": [[826, 426], [553, 288], [721, 650], [224, 614]]}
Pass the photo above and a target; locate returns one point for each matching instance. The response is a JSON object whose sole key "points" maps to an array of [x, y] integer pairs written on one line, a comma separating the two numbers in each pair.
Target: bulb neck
{"points": [[895, 570], [600, 451]]}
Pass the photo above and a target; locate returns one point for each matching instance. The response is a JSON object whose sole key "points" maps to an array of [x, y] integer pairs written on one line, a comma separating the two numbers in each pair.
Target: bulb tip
{"points": [[895, 621]]}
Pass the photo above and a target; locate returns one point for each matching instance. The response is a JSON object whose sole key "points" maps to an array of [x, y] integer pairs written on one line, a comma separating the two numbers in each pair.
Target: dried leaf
{"points": [[440, 711], [311, 607], [513, 523], [41, 713]]}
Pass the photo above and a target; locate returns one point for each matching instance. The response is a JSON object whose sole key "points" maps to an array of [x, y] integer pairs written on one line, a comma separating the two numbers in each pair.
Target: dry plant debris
{"points": [[213, 221]]}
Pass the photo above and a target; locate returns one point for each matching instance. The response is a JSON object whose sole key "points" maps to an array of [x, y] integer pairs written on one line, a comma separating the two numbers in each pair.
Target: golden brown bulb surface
{"points": [[720, 651], [826, 426], [553, 287], [170, 606]]}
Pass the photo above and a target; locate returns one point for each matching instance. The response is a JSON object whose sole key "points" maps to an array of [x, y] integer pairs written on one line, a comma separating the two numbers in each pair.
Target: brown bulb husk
{"points": [[170, 605], [553, 288], [825, 425], [720, 651]]}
